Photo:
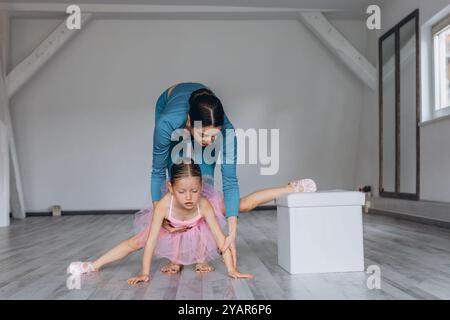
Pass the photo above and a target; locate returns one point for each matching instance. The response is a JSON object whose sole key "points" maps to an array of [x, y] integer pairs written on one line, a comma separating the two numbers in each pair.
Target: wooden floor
{"points": [[34, 253]]}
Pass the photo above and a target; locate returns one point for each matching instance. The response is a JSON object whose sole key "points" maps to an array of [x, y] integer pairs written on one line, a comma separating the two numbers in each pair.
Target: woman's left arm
{"points": [[230, 185], [211, 220]]}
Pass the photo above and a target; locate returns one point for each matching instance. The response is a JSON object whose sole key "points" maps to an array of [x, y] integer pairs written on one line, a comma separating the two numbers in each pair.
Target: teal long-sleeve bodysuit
{"points": [[171, 114]]}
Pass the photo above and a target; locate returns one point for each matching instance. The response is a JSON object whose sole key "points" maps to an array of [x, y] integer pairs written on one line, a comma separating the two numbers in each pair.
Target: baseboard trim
{"points": [[265, 208], [402, 216], [81, 213], [429, 210], [107, 212]]}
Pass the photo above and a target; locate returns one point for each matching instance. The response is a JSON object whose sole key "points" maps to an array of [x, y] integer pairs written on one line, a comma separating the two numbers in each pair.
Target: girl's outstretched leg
{"points": [[251, 201], [254, 199], [120, 251]]}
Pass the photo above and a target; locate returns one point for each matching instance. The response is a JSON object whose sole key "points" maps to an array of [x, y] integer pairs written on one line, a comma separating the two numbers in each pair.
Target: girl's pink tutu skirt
{"points": [[192, 246]]}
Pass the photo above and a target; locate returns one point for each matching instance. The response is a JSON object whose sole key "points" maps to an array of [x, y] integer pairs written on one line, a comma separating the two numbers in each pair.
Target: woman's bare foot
{"points": [[203, 267], [171, 268]]}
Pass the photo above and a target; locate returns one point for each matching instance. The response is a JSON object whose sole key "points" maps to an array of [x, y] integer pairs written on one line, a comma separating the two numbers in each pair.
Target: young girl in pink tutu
{"points": [[193, 203], [188, 203]]}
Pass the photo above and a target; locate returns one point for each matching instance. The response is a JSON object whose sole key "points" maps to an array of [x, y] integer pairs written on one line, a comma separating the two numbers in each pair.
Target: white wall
{"points": [[84, 123], [435, 149], [367, 170]]}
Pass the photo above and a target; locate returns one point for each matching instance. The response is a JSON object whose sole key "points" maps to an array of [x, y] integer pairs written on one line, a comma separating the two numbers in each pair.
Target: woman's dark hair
{"points": [[200, 92], [208, 109], [186, 168]]}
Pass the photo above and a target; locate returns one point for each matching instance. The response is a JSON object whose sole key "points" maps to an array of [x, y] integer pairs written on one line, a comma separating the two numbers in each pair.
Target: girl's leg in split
{"points": [[254, 199], [120, 251]]}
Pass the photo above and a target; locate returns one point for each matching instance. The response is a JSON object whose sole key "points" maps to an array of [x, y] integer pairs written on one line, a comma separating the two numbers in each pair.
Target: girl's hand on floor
{"points": [[141, 278], [237, 275]]}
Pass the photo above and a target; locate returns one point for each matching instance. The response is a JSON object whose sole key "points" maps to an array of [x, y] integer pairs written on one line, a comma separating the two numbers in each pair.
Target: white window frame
{"points": [[437, 29]]}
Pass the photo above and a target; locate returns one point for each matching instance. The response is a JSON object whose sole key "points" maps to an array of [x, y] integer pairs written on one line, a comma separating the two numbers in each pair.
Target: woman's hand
{"points": [[230, 243], [237, 275], [171, 229], [140, 278]]}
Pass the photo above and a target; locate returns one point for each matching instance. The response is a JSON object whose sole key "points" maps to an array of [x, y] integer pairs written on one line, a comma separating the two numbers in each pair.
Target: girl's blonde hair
{"points": [[186, 168]]}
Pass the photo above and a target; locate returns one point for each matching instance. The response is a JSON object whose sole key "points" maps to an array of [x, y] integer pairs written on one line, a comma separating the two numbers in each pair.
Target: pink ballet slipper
{"points": [[78, 267], [304, 185]]}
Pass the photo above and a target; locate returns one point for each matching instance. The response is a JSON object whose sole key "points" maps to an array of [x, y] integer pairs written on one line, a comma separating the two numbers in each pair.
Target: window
{"points": [[441, 38]]}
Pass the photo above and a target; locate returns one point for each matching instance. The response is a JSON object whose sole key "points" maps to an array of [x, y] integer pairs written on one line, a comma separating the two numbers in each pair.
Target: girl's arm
{"points": [[157, 220], [208, 213]]}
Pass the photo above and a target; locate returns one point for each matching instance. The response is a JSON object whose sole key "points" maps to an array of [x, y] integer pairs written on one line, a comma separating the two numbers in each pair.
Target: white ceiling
{"points": [[345, 5], [337, 9]]}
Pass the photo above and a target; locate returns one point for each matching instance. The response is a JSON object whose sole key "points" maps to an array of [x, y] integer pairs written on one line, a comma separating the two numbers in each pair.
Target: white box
{"points": [[320, 232]]}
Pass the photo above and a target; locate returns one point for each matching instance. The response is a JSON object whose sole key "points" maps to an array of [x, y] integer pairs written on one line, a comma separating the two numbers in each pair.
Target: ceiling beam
{"points": [[146, 11], [341, 47], [137, 8], [44, 51]]}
